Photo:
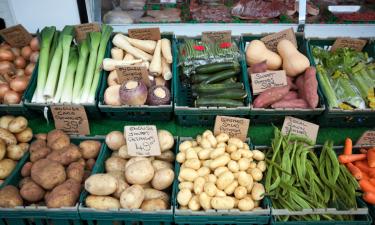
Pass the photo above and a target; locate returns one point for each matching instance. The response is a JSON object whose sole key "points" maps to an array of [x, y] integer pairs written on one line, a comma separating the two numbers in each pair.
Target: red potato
{"points": [[270, 96], [310, 87], [290, 96], [293, 103]]}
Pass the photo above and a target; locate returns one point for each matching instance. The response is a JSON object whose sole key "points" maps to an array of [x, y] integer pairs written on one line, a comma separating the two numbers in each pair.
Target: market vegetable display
{"points": [[16, 67], [301, 177], [69, 73], [301, 90], [219, 172], [55, 172], [347, 77], [133, 182], [155, 56]]}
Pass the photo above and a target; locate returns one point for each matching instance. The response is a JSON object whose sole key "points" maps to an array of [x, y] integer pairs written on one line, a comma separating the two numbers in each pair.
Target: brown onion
{"points": [[26, 52], [34, 57], [29, 69], [16, 51], [12, 97], [6, 55], [20, 62], [7, 67], [19, 84], [4, 87], [34, 44], [20, 72]]}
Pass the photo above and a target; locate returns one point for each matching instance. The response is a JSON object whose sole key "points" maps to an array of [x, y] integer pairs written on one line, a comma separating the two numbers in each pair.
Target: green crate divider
{"points": [[222, 217], [27, 215], [187, 115], [277, 116], [123, 216], [142, 113], [340, 117]]}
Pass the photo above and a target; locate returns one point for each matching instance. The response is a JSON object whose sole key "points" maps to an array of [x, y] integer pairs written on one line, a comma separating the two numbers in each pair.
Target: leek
{"points": [[82, 61], [94, 39], [54, 45], [69, 77], [327, 87], [47, 36], [106, 34]]}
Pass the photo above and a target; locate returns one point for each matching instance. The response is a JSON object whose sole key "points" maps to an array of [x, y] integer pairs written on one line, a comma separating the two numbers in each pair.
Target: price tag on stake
{"points": [[367, 138], [72, 119], [217, 36], [300, 128], [142, 140], [16, 36], [356, 44], [233, 126], [83, 29], [272, 40], [263, 81], [145, 33], [135, 73]]}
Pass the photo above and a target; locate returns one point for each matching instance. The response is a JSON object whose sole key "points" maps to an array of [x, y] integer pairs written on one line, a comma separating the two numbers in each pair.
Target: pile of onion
{"points": [[16, 67]]}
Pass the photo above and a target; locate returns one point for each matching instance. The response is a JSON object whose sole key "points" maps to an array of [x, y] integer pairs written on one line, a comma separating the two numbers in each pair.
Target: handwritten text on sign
{"points": [[272, 40], [356, 44], [142, 140], [71, 119], [367, 138], [16, 36], [233, 126], [145, 33], [136, 73], [217, 36], [300, 128], [83, 29], [263, 81]]}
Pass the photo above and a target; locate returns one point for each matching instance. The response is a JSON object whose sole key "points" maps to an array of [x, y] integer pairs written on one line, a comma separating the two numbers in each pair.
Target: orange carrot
{"points": [[351, 158], [371, 158], [357, 173], [363, 166], [348, 148], [369, 197], [363, 151], [365, 176], [366, 186], [372, 181]]}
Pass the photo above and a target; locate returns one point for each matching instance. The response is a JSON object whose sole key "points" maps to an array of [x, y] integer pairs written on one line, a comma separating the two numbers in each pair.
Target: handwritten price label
{"points": [[233, 126], [142, 140], [367, 138], [16, 36], [356, 44], [300, 128], [272, 40], [263, 81], [71, 119]]}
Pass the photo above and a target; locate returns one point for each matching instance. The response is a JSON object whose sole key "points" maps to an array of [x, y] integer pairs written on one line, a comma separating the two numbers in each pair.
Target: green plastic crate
{"points": [[222, 217], [339, 117], [277, 116], [41, 215], [123, 216], [142, 113], [188, 115]]}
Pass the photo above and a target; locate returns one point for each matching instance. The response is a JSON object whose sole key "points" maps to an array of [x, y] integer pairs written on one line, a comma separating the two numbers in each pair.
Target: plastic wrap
{"points": [[132, 4], [117, 16]]}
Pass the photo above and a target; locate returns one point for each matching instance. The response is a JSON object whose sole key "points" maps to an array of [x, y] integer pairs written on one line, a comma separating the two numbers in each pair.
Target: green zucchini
{"points": [[222, 75], [229, 81], [198, 78], [216, 67], [220, 102], [214, 88], [227, 94]]}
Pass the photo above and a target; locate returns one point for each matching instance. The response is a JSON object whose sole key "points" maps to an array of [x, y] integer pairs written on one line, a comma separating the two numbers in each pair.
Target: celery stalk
{"points": [[82, 61], [47, 36], [106, 34], [94, 45], [69, 78]]}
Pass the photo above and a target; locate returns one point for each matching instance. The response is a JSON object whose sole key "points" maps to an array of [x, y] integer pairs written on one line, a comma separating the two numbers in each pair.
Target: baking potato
{"points": [[123, 152], [32, 192], [140, 172], [166, 156], [6, 167], [75, 171], [40, 153], [57, 139], [47, 173], [3, 149], [65, 155], [159, 164], [5, 120], [64, 195], [26, 169], [132, 197], [102, 202], [120, 175], [121, 186], [101, 184], [222, 203], [90, 163], [135, 159], [146, 185], [90, 149], [151, 193], [162, 179], [14, 152], [10, 197], [25, 135], [154, 204], [166, 140], [114, 140], [115, 164], [18, 124]]}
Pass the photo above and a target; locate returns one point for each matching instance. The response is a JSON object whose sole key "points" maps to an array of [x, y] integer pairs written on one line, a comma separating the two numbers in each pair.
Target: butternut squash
{"points": [[294, 62], [257, 52]]}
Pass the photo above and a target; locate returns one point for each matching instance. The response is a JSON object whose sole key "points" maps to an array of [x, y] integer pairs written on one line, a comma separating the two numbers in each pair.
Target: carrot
{"points": [[366, 186], [351, 158], [369, 197], [365, 176], [363, 151], [363, 166], [372, 181], [371, 157], [348, 148], [357, 173]]}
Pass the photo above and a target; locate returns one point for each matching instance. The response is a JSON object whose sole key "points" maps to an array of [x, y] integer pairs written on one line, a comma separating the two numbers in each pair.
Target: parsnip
{"points": [[155, 66], [166, 50], [110, 64], [119, 40], [166, 69], [144, 45]]}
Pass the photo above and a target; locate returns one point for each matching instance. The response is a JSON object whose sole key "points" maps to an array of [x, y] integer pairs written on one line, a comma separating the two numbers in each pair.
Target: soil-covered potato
{"points": [[39, 153], [65, 155], [48, 173], [37, 144], [10, 197], [64, 195], [32, 192], [26, 169], [90, 163], [90, 149], [57, 139], [75, 171]]}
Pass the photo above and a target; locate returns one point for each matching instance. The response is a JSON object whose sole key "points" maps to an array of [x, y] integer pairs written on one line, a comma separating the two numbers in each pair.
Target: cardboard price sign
{"points": [[135, 73], [263, 81], [16, 36], [233, 126], [72, 119], [145, 33], [142, 140], [356, 44], [83, 29], [217, 36], [367, 138], [272, 40], [300, 128]]}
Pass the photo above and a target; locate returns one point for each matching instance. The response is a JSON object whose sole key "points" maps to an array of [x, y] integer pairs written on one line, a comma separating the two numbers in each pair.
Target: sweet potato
{"points": [[65, 155], [48, 173], [291, 95], [64, 195], [26, 169], [32, 192], [75, 171], [300, 82], [270, 96], [10, 197], [40, 153], [258, 67], [290, 82], [293, 103], [310, 87]]}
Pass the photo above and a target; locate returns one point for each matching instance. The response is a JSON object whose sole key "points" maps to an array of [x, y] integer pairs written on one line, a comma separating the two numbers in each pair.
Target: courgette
{"points": [[222, 75], [229, 81], [214, 88], [198, 78], [220, 102], [216, 67], [227, 94]]}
